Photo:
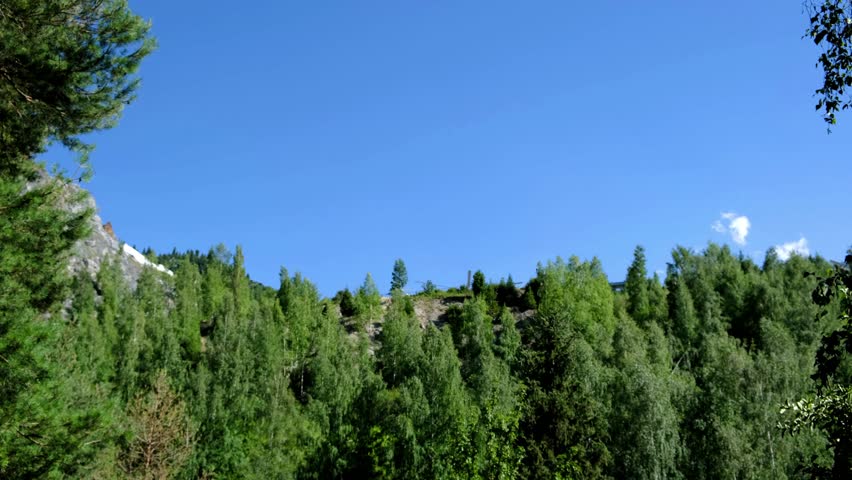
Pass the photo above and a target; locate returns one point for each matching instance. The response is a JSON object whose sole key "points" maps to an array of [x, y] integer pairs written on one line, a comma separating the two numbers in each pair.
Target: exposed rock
{"points": [[88, 254], [431, 310]]}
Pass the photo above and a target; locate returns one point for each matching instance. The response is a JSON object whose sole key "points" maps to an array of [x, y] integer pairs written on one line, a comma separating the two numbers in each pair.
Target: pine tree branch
{"points": [[29, 438]]}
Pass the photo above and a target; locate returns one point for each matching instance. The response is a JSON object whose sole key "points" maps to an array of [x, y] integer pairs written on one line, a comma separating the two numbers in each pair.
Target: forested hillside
{"points": [[677, 379]]}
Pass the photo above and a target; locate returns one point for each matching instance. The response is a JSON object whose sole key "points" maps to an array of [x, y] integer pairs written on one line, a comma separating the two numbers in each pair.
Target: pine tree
{"points": [[528, 300], [162, 438], [346, 301], [478, 283], [658, 307], [682, 319], [399, 278], [67, 70], [507, 293], [636, 286], [42, 425]]}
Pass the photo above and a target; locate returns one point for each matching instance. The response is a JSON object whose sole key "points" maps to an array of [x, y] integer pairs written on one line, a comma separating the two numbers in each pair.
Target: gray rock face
{"points": [[89, 254]]}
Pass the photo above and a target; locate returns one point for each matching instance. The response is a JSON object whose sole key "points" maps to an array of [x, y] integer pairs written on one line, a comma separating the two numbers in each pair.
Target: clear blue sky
{"points": [[334, 137]]}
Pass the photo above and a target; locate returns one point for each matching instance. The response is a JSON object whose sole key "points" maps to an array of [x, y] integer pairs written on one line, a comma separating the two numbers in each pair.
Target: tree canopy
{"points": [[831, 29], [66, 69]]}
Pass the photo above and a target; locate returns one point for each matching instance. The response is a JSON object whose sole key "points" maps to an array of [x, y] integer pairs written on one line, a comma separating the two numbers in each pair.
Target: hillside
{"points": [[715, 348]]}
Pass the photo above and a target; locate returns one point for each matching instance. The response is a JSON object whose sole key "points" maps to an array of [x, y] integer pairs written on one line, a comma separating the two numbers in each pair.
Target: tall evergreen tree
{"points": [[399, 278], [46, 414], [636, 286], [478, 285], [683, 320], [657, 303]]}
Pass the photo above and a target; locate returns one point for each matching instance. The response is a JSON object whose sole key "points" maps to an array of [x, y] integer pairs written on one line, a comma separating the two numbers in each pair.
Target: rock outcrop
{"points": [[90, 253]]}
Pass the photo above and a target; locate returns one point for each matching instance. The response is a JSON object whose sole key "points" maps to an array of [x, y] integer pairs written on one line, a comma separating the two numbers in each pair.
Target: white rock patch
{"points": [[140, 259]]}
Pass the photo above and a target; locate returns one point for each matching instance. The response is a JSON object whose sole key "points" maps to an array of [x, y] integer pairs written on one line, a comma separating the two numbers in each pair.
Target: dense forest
{"points": [[726, 368], [208, 374]]}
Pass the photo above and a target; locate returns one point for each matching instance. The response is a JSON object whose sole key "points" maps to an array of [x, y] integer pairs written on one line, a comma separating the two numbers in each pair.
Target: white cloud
{"points": [[799, 247], [737, 225], [739, 229]]}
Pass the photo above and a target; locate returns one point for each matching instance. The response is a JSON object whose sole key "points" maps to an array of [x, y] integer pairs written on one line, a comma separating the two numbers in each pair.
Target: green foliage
{"points": [[368, 303], [581, 292], [348, 307], [494, 392], [658, 308], [830, 410], [636, 287], [399, 278], [429, 288], [683, 322], [831, 29], [187, 314], [47, 411], [478, 283], [279, 389], [528, 301], [401, 348], [507, 293], [644, 426], [509, 338], [68, 70], [564, 424], [269, 384], [162, 438]]}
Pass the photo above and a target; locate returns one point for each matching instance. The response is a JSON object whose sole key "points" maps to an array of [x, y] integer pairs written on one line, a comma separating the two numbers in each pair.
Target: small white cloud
{"points": [[739, 229], [799, 247], [737, 225]]}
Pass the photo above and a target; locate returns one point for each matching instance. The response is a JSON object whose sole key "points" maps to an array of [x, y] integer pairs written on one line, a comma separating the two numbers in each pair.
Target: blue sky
{"points": [[334, 137]]}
